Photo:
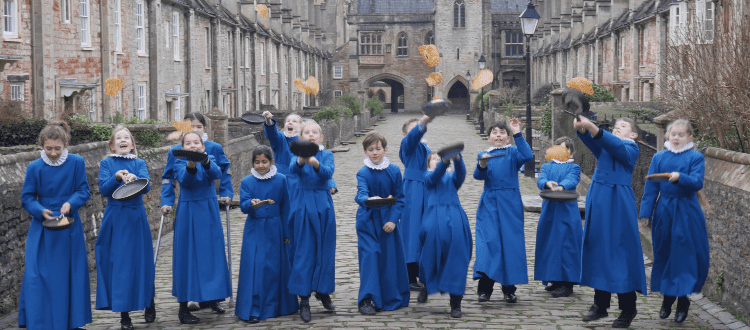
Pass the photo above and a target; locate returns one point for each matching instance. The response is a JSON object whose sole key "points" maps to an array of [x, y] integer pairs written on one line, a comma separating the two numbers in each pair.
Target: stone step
{"points": [[348, 142], [340, 149], [360, 133]]}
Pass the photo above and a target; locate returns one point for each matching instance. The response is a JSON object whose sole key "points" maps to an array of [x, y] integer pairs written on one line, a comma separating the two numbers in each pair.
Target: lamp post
{"points": [[468, 81], [482, 63], [529, 20]]}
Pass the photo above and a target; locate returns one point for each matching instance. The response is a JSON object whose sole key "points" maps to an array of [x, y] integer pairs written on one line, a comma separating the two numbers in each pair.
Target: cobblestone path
{"points": [[535, 308]]}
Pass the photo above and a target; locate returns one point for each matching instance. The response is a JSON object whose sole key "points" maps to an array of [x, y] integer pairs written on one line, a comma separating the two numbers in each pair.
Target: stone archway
{"points": [[396, 85], [457, 92]]}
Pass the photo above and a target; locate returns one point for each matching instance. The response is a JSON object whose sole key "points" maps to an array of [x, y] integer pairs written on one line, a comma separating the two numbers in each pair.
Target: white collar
{"points": [[266, 176], [204, 137], [383, 164], [626, 139], [559, 162], [60, 161], [491, 149], [570, 160], [423, 141], [286, 133], [684, 148], [321, 147], [128, 156]]}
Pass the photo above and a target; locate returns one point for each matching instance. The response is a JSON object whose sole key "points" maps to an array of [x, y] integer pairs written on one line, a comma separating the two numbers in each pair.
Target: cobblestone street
{"points": [[535, 309]]}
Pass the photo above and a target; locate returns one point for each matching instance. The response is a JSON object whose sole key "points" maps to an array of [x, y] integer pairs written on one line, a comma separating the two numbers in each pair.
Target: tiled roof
{"points": [[224, 15], [664, 5], [394, 6], [621, 21], [508, 6], [604, 28], [203, 7], [262, 30], [246, 24], [646, 10]]}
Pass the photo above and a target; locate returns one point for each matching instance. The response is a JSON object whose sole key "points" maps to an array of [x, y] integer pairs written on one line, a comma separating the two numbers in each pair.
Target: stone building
{"points": [[619, 44], [174, 56]]}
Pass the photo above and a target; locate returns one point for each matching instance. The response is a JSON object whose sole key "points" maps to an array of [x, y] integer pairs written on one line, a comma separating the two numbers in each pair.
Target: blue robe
{"points": [[55, 293], [612, 258], [680, 240], [124, 255], [446, 234], [559, 234], [501, 247], [264, 267], [314, 222], [199, 263], [413, 155], [168, 177], [382, 269]]}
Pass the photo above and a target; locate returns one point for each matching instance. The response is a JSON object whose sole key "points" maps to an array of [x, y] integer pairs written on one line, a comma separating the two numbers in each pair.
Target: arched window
{"points": [[402, 50], [459, 13], [429, 39]]}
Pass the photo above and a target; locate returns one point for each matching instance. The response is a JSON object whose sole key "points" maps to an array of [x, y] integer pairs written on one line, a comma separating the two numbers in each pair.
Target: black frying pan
{"points": [[59, 223], [253, 118], [558, 196], [304, 149], [130, 190], [451, 150], [381, 202], [436, 107], [190, 155]]}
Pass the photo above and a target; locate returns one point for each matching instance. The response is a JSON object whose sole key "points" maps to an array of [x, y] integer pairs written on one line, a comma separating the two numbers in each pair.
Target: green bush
{"points": [[21, 132], [352, 103], [148, 138], [375, 104], [333, 112], [100, 132], [80, 119], [117, 118], [547, 118], [602, 94]]}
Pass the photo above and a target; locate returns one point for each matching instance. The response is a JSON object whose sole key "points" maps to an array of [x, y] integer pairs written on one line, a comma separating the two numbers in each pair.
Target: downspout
{"points": [[105, 65]]}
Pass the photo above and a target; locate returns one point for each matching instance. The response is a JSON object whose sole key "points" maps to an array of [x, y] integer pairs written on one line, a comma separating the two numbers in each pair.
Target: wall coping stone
{"points": [[728, 155]]}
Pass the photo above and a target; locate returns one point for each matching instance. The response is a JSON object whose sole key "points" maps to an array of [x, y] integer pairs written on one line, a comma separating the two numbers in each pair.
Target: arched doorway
{"points": [[458, 94], [392, 89]]}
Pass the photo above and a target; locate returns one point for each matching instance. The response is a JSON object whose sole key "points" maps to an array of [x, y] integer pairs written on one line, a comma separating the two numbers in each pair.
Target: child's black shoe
{"points": [[624, 320], [484, 296], [416, 286], [562, 291], [456, 306], [185, 316], [253, 320], [216, 307], [595, 314], [366, 307], [149, 314], [680, 315], [510, 298], [326, 300], [665, 312], [422, 298], [304, 310]]}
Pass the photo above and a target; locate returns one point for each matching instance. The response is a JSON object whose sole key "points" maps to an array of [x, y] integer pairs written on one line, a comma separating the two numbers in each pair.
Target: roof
{"points": [[645, 10], [202, 7], [508, 6], [622, 21], [223, 14], [394, 6]]}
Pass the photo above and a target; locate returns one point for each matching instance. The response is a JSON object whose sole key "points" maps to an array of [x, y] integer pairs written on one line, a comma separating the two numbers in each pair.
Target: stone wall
{"points": [[727, 190]]}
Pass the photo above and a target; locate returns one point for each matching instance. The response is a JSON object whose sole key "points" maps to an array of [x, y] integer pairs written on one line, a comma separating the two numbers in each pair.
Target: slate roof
{"points": [[646, 10], [224, 15], [261, 30], [621, 21], [395, 6], [508, 6], [203, 7]]}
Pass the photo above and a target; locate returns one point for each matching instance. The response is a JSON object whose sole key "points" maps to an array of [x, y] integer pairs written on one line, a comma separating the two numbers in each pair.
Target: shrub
{"points": [[148, 138], [80, 119], [352, 103], [375, 104], [117, 118], [547, 118], [20, 132], [602, 94], [100, 132], [542, 94], [333, 112]]}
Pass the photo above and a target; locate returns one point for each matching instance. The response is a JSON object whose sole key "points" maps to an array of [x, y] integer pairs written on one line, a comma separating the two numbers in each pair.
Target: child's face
{"points": [[198, 127], [498, 137], [622, 129], [261, 164], [193, 142], [291, 124], [311, 133], [679, 137], [123, 143], [410, 127], [434, 159], [375, 152], [53, 149]]}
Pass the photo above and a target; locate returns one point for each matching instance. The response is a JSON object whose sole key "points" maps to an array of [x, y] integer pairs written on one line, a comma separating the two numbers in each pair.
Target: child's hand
{"points": [[120, 175], [333, 191], [457, 157], [374, 197], [484, 160], [254, 201], [267, 114], [551, 184], [166, 209], [389, 227], [47, 214], [674, 177], [425, 120], [190, 164], [583, 124], [515, 126], [312, 161], [65, 209], [446, 161]]}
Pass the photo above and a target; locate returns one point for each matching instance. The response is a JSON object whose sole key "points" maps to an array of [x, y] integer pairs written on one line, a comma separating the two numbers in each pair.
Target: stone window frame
{"points": [[247, 52], [85, 15], [176, 35], [10, 29], [176, 104], [621, 51], [338, 72], [402, 50], [142, 100], [429, 38], [207, 98], [511, 45], [459, 14], [705, 12], [262, 53], [92, 113], [118, 24], [17, 91], [371, 43], [229, 49], [337, 94], [140, 30], [207, 31], [65, 11], [677, 23], [642, 46]]}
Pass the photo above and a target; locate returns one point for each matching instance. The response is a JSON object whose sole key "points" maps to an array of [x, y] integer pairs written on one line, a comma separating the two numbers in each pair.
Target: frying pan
{"points": [[558, 196], [436, 107], [658, 177], [304, 149], [262, 203], [451, 150], [130, 190], [54, 224], [253, 118], [190, 155], [491, 156], [381, 202]]}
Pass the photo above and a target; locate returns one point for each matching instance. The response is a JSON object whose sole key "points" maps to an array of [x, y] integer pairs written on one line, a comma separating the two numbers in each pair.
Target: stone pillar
{"points": [[218, 127]]}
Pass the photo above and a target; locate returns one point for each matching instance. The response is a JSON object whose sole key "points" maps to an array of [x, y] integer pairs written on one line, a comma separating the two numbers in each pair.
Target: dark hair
{"points": [[196, 116], [263, 150], [57, 130], [498, 124], [407, 123], [568, 144], [372, 138], [200, 138], [430, 157], [633, 125]]}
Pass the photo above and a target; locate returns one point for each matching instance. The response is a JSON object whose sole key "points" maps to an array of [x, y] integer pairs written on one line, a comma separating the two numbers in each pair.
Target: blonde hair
{"points": [[112, 139], [682, 122], [182, 141]]}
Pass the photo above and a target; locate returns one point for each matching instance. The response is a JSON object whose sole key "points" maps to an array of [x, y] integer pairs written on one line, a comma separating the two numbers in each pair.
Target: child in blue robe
{"points": [[612, 258], [124, 255], [680, 239], [199, 263], [501, 247], [384, 282], [445, 235], [55, 293], [559, 233], [314, 226], [413, 154], [264, 268]]}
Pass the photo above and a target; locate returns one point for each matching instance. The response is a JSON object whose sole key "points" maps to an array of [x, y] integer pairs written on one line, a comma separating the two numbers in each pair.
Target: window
{"points": [[142, 101], [247, 52], [338, 72], [118, 27], [10, 19], [704, 10], [641, 46], [208, 48], [621, 49], [336, 94], [208, 99], [513, 44], [677, 23], [230, 44], [139, 33], [262, 97], [262, 52], [176, 104], [369, 43], [429, 39], [402, 50], [16, 92], [65, 11], [85, 28], [459, 14], [275, 59], [286, 66], [167, 35], [92, 114], [176, 34]]}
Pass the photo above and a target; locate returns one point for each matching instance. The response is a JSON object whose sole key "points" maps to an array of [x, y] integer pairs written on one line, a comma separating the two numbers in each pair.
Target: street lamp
{"points": [[468, 80], [529, 20], [482, 63]]}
